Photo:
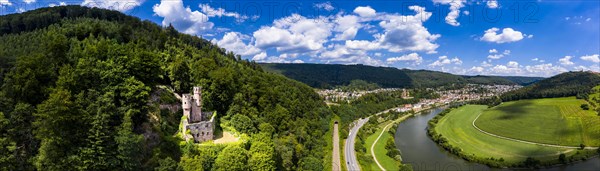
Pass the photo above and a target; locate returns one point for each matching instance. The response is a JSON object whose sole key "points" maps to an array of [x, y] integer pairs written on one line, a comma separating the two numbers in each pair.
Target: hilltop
{"points": [[577, 83], [331, 75], [78, 88]]}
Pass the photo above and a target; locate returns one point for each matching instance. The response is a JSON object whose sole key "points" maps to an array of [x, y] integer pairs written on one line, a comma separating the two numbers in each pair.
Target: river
{"points": [[423, 154]]}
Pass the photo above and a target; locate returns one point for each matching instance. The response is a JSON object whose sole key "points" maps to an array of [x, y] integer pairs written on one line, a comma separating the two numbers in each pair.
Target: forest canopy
{"points": [[76, 87]]}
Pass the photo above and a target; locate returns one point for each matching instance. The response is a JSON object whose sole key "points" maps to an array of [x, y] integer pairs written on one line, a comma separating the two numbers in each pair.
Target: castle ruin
{"points": [[200, 124]]}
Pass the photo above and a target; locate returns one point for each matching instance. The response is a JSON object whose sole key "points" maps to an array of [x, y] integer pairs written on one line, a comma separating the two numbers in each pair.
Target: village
{"points": [[467, 93]]}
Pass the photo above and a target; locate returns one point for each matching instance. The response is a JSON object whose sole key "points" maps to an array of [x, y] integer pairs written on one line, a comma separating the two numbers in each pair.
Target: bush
{"points": [[585, 106]]}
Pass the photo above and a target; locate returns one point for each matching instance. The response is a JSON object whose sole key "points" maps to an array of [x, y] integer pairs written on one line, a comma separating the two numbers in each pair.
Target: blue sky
{"points": [[470, 37]]}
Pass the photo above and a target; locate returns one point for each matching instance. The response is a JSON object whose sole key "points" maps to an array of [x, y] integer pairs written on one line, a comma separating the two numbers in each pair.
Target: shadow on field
{"points": [[514, 110]]}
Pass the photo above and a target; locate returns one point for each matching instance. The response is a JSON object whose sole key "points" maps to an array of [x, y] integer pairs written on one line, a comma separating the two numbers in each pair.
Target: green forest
{"points": [[76, 87], [332, 75], [578, 84]]}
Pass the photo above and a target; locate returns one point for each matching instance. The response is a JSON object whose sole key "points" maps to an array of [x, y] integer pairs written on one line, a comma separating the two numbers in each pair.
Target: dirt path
{"points": [[523, 141], [336, 149]]}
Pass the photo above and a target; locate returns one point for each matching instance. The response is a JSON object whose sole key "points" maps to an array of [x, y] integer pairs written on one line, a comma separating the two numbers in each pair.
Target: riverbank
{"points": [[376, 146], [453, 131]]}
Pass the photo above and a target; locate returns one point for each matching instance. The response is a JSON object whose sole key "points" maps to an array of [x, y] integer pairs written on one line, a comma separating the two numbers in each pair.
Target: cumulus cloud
{"points": [[492, 4], [413, 58], [259, 57], [455, 6], [325, 6], [346, 26], [505, 36], [592, 58], [5, 3], [220, 12], [444, 60], [233, 42], [119, 5], [294, 34], [182, 18], [29, 1], [566, 60], [493, 51], [365, 11]]}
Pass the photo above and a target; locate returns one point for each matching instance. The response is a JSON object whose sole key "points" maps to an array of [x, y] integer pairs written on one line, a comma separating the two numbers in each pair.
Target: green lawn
{"points": [[457, 127], [559, 121], [380, 152]]}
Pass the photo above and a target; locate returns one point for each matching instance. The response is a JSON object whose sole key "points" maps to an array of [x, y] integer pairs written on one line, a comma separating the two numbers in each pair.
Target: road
{"points": [[349, 152], [336, 149]]}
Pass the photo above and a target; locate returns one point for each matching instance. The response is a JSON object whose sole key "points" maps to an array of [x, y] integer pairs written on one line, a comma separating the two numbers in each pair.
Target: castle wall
{"points": [[201, 131]]}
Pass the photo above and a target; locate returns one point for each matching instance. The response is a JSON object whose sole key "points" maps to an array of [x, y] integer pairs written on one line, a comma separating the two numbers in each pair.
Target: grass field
{"points": [[387, 162], [558, 121], [457, 127]]}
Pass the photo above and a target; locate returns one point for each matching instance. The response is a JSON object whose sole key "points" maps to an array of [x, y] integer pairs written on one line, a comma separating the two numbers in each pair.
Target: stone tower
{"points": [[186, 104], [197, 95]]}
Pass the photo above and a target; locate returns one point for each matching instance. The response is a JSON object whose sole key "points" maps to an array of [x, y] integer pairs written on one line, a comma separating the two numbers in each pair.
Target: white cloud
{"points": [[182, 18], [365, 11], [493, 51], [495, 56], [588, 19], [492, 4], [544, 70], [466, 12], [233, 42], [347, 26], [325, 5], [414, 58], [259, 57], [476, 69], [407, 33], [59, 4], [507, 35], [592, 58], [220, 12], [29, 1], [566, 60], [119, 5], [5, 3], [513, 64], [294, 34], [506, 52], [444, 60], [455, 6]]}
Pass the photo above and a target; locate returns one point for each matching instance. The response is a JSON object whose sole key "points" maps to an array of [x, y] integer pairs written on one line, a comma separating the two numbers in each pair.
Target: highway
{"points": [[349, 155]]}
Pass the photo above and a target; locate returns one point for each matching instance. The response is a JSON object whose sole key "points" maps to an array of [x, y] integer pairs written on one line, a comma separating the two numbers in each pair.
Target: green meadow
{"points": [[457, 128], [557, 121]]}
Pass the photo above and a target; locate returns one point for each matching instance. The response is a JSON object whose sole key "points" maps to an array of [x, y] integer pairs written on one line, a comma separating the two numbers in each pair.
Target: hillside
{"points": [[76, 95], [562, 85], [327, 76]]}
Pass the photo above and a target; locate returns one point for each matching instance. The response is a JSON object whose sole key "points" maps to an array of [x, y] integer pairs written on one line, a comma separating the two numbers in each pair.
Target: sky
{"points": [[467, 37]]}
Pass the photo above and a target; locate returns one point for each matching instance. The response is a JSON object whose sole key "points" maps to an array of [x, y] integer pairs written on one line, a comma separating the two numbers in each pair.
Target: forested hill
{"points": [[76, 86], [566, 84], [331, 75]]}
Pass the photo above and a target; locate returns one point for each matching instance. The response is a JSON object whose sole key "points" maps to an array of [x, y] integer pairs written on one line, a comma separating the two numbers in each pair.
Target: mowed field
{"points": [[557, 121], [457, 127]]}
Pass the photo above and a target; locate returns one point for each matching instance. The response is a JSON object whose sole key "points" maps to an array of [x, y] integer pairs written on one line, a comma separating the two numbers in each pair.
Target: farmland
{"points": [[456, 127], [557, 121]]}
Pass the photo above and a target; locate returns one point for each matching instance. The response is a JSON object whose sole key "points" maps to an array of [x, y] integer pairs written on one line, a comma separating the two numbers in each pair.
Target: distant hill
{"points": [[330, 75], [562, 85]]}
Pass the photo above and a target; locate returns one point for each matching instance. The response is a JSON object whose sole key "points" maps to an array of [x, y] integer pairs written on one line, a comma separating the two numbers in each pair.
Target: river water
{"points": [[423, 154]]}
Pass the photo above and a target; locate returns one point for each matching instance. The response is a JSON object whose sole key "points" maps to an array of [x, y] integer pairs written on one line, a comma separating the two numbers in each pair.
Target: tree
{"points": [[166, 164], [232, 158], [311, 163], [585, 106], [243, 124], [188, 163], [562, 158], [261, 161], [582, 146]]}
